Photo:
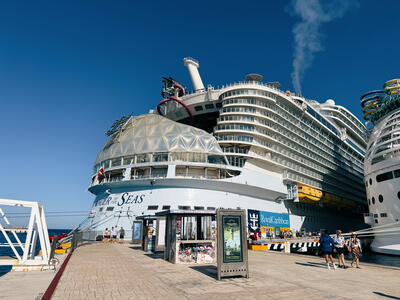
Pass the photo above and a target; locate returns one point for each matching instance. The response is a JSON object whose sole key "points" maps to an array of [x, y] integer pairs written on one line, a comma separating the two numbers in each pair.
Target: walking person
{"points": [[121, 234], [114, 233], [106, 236], [355, 249], [269, 234], [339, 243], [326, 244]]}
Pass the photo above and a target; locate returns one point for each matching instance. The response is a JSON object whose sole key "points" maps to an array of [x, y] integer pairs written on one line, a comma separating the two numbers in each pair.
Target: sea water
{"points": [[7, 251]]}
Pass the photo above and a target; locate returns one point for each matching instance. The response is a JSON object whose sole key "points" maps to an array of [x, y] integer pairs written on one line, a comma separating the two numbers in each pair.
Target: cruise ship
{"points": [[292, 163], [381, 109]]}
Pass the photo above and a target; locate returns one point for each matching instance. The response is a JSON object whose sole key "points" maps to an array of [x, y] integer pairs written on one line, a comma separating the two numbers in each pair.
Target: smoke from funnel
{"points": [[307, 33]]}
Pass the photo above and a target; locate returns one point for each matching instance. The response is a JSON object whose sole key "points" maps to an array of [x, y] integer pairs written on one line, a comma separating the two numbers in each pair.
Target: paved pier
{"points": [[122, 271], [29, 285]]}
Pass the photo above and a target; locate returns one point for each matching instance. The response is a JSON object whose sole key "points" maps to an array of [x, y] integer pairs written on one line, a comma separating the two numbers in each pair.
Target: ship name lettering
{"points": [[129, 199]]}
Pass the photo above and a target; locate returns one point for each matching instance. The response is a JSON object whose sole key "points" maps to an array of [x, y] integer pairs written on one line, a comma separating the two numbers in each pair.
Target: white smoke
{"points": [[307, 33]]}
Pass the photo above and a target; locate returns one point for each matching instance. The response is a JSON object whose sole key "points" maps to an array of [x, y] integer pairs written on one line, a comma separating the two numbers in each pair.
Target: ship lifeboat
{"points": [[308, 194]]}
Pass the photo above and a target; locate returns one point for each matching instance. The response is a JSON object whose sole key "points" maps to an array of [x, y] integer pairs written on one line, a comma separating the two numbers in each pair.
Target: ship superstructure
{"points": [[272, 151], [381, 109], [304, 142]]}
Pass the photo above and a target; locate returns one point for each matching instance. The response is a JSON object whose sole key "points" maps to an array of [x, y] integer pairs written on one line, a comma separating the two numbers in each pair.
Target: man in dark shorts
{"points": [[326, 244]]}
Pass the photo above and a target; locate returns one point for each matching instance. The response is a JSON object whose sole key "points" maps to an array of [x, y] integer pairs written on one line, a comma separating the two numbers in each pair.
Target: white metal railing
{"points": [[37, 229]]}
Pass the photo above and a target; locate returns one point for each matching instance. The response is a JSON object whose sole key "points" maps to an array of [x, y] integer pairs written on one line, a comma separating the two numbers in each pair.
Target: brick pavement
{"points": [[121, 271]]}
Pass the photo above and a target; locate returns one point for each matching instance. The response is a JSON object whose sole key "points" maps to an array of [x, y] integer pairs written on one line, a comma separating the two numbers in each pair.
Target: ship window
{"points": [[369, 201], [159, 172], [383, 215], [376, 221], [216, 159], [370, 181], [384, 176], [107, 164], [380, 198], [184, 207], [142, 158], [396, 173], [179, 156], [129, 160], [199, 207], [116, 162], [110, 208], [198, 108], [209, 106], [377, 159], [212, 173], [366, 183], [197, 157], [373, 200], [152, 207], [398, 195], [213, 208], [100, 209], [166, 207], [158, 157], [180, 171], [196, 172], [376, 216], [218, 105]]}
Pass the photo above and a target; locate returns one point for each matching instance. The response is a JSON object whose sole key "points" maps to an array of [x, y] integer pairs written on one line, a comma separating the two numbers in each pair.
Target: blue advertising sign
{"points": [[137, 230], [269, 219]]}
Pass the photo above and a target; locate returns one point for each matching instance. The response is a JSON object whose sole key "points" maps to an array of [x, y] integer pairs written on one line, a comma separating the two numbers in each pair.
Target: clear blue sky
{"points": [[68, 70]]}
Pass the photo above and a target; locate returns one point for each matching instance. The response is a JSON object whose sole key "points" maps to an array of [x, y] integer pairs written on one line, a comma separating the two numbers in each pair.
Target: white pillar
{"points": [[193, 66]]}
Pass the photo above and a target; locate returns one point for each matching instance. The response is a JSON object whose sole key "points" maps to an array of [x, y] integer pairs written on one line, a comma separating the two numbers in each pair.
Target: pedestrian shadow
{"points": [[312, 264], [136, 248], [156, 255], [385, 295], [209, 270]]}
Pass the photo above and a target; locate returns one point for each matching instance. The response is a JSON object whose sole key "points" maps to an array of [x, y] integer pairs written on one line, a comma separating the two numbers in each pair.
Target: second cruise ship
{"points": [[291, 162], [381, 109]]}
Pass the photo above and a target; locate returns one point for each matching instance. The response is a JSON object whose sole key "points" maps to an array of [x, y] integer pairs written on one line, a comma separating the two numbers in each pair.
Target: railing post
{"points": [[73, 242]]}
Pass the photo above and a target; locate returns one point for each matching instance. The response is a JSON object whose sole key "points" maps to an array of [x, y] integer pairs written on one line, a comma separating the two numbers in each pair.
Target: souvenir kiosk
{"points": [[190, 236]]}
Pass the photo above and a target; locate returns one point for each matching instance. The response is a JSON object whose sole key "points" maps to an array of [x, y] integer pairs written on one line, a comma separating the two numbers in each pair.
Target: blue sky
{"points": [[68, 70]]}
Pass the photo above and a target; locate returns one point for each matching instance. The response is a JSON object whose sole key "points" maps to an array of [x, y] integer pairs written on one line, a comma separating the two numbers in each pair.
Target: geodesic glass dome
{"points": [[151, 133]]}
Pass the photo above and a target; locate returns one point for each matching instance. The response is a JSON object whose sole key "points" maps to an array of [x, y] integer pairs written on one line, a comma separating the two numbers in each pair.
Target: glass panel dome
{"points": [[154, 133]]}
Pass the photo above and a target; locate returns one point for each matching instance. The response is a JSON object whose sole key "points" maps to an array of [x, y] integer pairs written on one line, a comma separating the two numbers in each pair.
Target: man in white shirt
{"points": [[114, 232]]}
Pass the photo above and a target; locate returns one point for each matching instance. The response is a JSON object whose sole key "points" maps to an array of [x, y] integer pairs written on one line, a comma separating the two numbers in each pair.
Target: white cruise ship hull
{"points": [[120, 203], [382, 180]]}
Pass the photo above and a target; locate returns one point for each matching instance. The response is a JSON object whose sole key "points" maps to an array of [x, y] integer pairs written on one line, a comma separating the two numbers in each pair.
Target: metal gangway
{"points": [[36, 230]]}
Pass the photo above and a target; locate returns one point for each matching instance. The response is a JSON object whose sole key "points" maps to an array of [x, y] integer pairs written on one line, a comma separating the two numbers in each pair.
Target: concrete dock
{"points": [[28, 284], [122, 271]]}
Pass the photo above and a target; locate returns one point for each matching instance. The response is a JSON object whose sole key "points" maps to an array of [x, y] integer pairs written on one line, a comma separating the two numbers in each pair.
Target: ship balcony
{"points": [[194, 171]]}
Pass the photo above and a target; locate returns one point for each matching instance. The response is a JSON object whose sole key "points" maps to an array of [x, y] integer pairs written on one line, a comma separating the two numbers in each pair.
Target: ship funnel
{"points": [[193, 66]]}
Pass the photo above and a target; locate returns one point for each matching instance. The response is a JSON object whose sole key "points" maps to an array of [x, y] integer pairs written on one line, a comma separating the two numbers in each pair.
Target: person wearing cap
{"points": [[339, 243], [355, 249]]}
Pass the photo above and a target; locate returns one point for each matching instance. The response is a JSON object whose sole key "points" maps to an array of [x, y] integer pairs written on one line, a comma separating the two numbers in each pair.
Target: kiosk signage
{"points": [[137, 229], [232, 244]]}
